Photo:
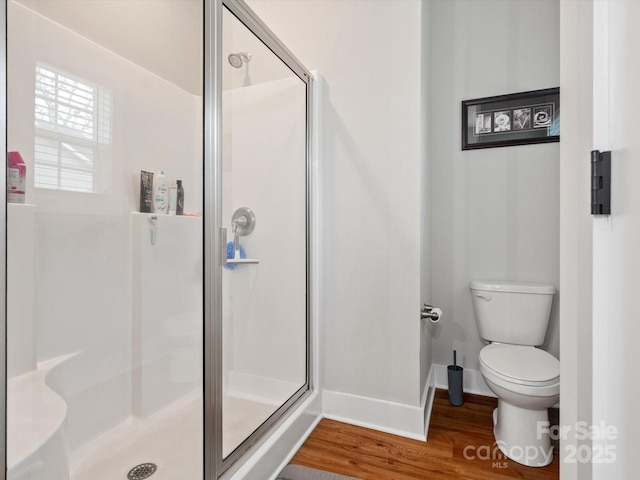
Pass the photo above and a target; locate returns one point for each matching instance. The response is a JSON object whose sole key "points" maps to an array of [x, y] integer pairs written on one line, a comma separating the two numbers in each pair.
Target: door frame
{"points": [[3, 240], [576, 229]]}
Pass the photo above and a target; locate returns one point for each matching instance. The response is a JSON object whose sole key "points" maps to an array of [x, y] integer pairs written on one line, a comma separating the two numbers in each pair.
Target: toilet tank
{"points": [[512, 312]]}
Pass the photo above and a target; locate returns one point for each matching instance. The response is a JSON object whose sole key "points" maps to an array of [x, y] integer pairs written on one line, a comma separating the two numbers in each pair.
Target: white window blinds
{"points": [[73, 131]]}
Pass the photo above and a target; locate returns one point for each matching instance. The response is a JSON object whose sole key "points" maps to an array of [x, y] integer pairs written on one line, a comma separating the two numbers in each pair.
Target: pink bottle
{"points": [[16, 177]]}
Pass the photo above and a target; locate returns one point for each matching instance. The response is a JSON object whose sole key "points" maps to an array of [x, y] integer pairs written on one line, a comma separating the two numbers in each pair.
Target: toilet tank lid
{"points": [[512, 287]]}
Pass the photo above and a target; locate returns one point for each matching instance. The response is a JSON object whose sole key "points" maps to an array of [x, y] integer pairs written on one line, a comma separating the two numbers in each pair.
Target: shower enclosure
{"points": [[149, 344], [262, 230]]}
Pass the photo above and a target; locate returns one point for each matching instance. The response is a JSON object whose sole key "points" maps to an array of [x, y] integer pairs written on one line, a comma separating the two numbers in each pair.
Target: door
{"points": [[265, 225]]}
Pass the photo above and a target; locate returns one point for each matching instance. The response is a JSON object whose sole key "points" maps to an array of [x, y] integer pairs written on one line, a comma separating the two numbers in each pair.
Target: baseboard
{"points": [[390, 417], [472, 381], [385, 416], [427, 402]]}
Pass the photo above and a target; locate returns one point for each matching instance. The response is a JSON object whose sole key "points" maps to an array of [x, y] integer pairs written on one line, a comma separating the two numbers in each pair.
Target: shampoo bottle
{"points": [[16, 177], [180, 198], [160, 193]]}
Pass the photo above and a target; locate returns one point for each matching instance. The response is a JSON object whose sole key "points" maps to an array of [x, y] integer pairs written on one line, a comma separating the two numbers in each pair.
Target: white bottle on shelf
{"points": [[160, 193]]}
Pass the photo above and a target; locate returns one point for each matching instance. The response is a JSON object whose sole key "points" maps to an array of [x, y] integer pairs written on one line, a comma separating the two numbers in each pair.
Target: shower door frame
{"points": [[3, 239], [215, 465]]}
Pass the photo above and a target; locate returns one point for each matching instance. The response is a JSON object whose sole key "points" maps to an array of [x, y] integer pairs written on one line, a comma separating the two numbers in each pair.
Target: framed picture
{"points": [[515, 119]]}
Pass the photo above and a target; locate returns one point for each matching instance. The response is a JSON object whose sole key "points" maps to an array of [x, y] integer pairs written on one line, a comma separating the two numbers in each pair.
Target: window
{"points": [[73, 132]]}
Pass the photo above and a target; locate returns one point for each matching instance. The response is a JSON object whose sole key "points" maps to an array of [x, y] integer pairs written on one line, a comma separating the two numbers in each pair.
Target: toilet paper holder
{"points": [[434, 314]]}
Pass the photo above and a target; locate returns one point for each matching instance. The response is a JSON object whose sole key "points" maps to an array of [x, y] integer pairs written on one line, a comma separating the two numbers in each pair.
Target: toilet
{"points": [[513, 318]]}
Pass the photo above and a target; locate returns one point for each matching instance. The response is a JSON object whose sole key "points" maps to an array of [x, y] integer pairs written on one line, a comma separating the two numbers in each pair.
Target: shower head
{"points": [[238, 59]]}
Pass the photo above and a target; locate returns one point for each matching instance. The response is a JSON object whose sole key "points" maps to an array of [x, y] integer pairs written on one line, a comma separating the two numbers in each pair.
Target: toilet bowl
{"points": [[526, 381], [512, 317]]}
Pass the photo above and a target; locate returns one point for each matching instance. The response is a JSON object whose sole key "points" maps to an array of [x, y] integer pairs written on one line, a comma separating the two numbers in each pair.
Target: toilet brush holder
{"points": [[454, 373], [454, 376]]}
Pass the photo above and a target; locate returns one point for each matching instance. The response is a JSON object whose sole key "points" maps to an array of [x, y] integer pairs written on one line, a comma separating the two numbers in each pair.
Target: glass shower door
{"points": [[104, 297], [264, 210]]}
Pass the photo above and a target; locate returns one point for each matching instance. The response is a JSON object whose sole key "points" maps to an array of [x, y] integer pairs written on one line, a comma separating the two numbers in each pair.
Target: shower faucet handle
{"points": [[243, 221], [240, 221]]}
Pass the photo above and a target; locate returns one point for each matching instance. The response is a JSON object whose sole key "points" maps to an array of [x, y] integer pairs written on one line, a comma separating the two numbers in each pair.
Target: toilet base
{"points": [[523, 434]]}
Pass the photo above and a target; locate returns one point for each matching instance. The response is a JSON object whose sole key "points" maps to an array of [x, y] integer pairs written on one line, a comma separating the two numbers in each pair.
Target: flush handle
{"points": [[485, 296]]}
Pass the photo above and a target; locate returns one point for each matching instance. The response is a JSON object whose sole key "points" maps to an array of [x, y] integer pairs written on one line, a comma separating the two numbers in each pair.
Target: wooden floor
{"points": [[368, 454]]}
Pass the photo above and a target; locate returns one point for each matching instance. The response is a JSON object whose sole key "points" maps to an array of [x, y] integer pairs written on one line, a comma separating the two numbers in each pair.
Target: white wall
{"points": [[616, 238], [141, 33], [427, 329], [369, 54], [21, 356], [495, 212], [83, 298]]}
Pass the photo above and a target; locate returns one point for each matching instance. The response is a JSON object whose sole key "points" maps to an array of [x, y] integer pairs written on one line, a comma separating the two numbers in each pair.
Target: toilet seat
{"points": [[521, 365]]}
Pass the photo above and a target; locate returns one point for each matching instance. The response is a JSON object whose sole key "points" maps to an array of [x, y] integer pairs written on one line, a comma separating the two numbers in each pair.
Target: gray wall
{"points": [[495, 212]]}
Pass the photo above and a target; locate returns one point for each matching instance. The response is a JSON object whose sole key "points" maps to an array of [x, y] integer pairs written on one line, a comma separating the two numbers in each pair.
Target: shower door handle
{"points": [[223, 245]]}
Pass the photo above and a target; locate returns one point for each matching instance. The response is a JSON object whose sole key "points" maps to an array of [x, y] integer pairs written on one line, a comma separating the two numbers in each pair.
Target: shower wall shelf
{"points": [[167, 215], [155, 220], [242, 260], [236, 259]]}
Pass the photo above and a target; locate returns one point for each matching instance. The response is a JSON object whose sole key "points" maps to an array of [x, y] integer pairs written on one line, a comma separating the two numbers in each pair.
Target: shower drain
{"points": [[142, 471]]}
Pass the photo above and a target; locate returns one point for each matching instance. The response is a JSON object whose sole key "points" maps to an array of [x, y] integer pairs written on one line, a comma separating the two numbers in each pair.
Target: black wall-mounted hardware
{"points": [[600, 183]]}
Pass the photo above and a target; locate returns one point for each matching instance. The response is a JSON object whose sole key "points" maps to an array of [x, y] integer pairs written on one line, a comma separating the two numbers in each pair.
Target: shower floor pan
{"points": [[171, 439]]}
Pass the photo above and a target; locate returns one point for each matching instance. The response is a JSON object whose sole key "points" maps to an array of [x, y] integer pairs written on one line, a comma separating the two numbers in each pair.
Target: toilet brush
{"points": [[454, 375]]}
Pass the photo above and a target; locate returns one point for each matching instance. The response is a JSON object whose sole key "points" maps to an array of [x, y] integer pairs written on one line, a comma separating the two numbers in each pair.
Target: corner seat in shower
{"points": [[36, 417]]}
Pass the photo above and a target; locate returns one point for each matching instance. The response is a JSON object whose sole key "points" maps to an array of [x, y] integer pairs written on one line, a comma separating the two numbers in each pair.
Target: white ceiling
{"points": [[162, 36]]}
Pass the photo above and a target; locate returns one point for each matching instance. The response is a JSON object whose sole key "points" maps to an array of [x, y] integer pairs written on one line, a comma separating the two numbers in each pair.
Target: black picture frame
{"points": [[515, 119]]}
